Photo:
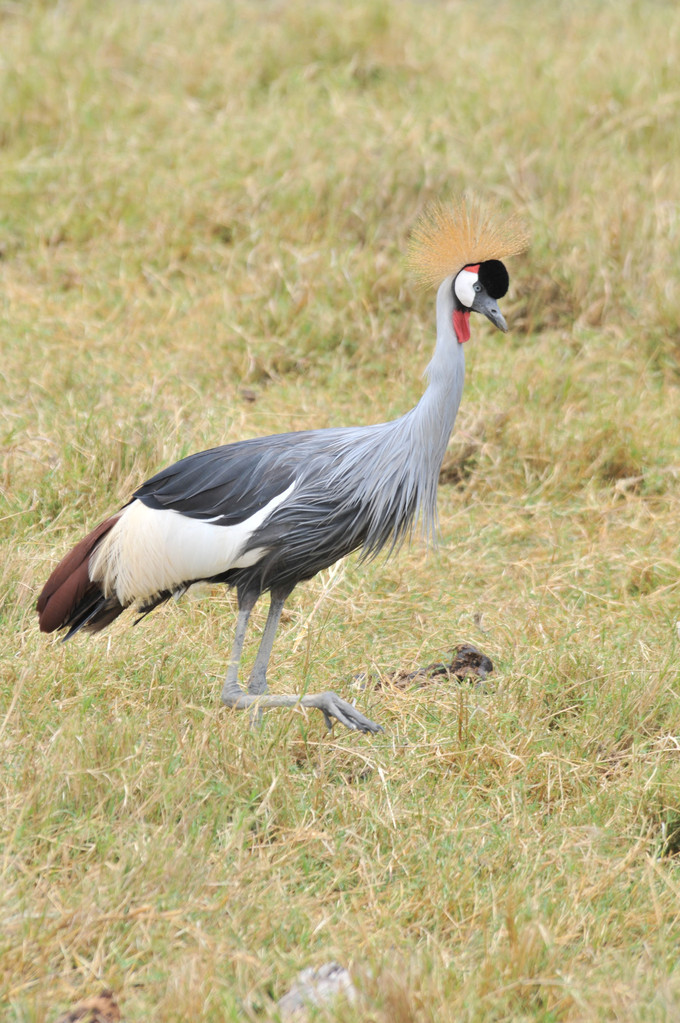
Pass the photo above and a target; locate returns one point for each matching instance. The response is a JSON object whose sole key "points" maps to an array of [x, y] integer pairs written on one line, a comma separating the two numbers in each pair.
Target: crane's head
{"points": [[459, 247], [476, 289]]}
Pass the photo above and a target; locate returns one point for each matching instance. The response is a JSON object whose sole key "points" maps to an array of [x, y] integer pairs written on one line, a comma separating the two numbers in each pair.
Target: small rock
{"points": [[316, 986]]}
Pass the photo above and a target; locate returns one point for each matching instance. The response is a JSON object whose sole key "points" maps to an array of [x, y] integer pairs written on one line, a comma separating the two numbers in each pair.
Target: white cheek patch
{"points": [[464, 286]]}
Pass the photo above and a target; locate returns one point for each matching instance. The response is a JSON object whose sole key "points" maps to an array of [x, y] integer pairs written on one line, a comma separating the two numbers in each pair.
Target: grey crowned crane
{"points": [[265, 514]]}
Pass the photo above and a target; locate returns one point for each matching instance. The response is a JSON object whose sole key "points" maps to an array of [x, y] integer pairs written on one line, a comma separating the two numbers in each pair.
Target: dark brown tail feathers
{"points": [[69, 598]]}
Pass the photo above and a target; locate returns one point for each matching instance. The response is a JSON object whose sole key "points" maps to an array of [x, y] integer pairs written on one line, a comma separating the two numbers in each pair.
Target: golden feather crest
{"points": [[449, 236]]}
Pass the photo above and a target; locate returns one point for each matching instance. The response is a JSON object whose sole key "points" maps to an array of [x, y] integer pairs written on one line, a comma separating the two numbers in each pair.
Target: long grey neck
{"points": [[431, 421], [436, 411], [446, 371]]}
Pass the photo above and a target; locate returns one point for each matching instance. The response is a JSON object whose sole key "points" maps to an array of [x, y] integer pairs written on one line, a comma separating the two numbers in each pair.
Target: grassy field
{"points": [[203, 228]]}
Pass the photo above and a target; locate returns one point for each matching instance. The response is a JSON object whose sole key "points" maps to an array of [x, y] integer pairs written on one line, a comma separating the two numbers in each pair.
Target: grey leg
{"points": [[257, 698], [257, 684], [231, 690]]}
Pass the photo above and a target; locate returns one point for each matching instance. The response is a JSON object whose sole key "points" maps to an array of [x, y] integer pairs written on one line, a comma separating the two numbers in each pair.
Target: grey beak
{"points": [[488, 306]]}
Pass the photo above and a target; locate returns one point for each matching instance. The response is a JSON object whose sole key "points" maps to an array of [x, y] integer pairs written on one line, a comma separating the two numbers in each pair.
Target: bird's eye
{"points": [[478, 286]]}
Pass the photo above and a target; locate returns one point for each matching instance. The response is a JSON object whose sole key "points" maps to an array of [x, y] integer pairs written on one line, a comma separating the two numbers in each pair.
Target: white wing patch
{"points": [[150, 550]]}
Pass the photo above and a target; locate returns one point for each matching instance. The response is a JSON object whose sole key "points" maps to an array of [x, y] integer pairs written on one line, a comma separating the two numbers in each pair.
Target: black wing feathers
{"points": [[226, 484]]}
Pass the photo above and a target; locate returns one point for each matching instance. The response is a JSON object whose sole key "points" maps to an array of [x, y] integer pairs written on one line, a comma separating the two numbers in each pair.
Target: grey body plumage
{"points": [[264, 514], [353, 488]]}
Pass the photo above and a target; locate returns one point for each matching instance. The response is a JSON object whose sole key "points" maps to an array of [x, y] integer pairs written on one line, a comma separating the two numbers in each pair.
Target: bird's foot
{"points": [[332, 706]]}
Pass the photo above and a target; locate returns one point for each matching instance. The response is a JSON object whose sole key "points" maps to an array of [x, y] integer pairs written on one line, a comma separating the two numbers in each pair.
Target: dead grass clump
{"points": [[467, 445], [670, 835], [611, 455]]}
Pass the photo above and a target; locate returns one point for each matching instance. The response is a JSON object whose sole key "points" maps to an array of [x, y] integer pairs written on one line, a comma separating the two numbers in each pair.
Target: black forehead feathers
{"points": [[494, 278]]}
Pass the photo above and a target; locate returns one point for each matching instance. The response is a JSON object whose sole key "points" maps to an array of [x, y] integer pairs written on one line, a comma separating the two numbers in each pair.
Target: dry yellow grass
{"points": [[203, 236]]}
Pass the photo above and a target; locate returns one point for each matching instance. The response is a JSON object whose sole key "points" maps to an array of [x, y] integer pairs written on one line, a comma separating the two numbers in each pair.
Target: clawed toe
{"points": [[333, 706]]}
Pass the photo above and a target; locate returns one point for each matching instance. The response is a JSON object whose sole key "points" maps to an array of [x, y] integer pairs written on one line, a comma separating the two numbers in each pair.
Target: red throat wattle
{"points": [[461, 324]]}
